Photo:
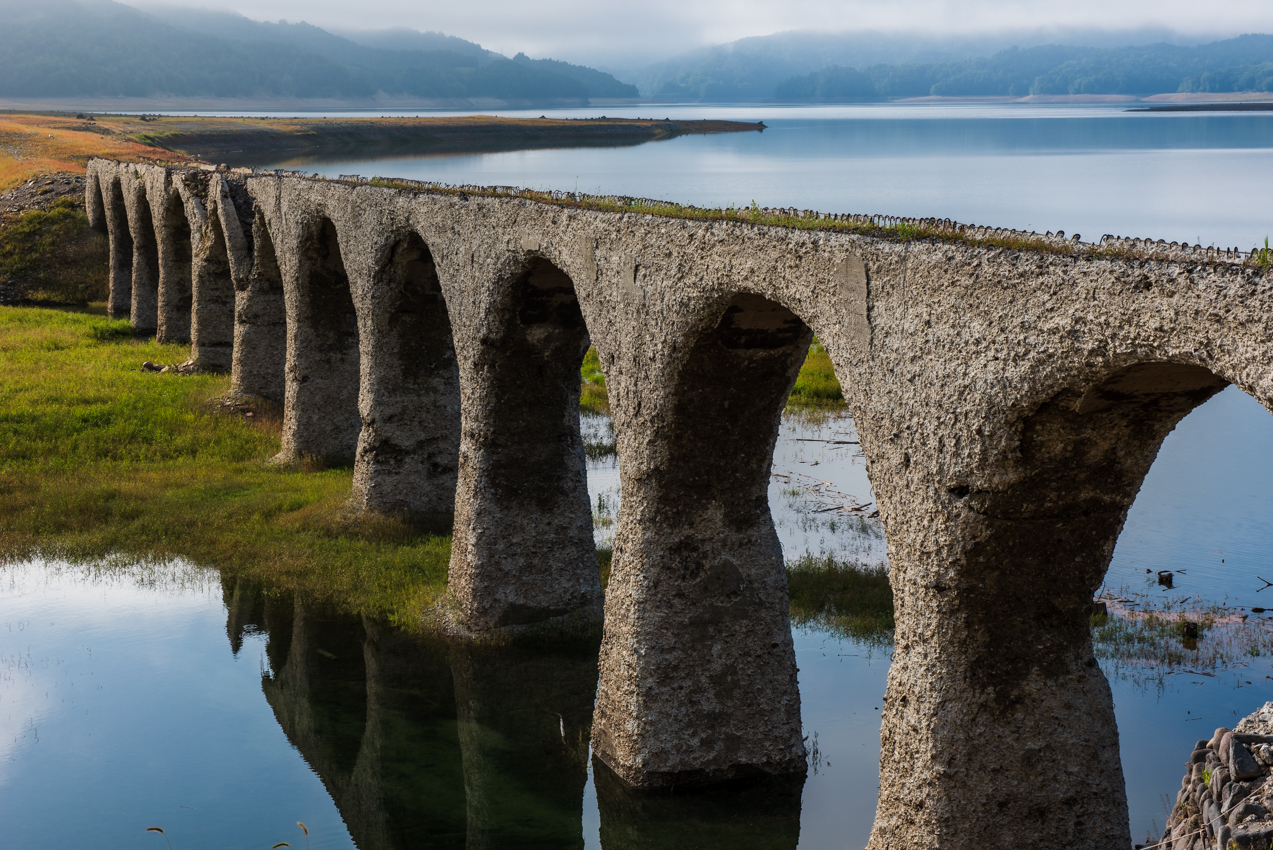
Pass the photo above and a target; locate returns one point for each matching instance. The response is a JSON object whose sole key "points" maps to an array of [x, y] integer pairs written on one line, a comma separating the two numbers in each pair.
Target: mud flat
{"points": [[241, 140]]}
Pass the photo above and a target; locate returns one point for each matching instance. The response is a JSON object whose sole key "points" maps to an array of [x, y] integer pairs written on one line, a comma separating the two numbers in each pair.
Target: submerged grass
{"points": [[848, 598], [99, 459]]}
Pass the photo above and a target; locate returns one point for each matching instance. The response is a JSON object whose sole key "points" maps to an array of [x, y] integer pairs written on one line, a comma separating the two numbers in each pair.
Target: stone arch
{"points": [[321, 415], [176, 271], [698, 555], [120, 303], [408, 448], [260, 322], [212, 301], [145, 303], [523, 549]]}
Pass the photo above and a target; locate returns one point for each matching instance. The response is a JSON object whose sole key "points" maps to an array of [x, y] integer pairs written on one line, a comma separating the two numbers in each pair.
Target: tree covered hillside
{"points": [[1239, 64], [97, 48]]}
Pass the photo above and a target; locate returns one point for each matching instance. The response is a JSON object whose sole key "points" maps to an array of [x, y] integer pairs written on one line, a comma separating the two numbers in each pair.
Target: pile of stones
{"points": [[1226, 798]]}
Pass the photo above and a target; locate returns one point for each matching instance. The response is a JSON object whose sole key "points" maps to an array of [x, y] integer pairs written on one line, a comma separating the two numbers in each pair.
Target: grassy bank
{"points": [[53, 255], [98, 458]]}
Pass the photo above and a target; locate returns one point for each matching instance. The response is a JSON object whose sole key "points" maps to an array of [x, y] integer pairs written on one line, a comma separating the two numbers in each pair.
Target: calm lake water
{"points": [[154, 696]]}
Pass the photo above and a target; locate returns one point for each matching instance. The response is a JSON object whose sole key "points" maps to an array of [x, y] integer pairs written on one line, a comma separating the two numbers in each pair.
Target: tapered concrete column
{"points": [[176, 272], [997, 715], [523, 549], [260, 323], [523, 718], [144, 310], [698, 672], [321, 406], [408, 449], [120, 302]]}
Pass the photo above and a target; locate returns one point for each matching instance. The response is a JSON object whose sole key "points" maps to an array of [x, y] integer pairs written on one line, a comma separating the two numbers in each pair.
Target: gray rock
{"points": [[1241, 763]]}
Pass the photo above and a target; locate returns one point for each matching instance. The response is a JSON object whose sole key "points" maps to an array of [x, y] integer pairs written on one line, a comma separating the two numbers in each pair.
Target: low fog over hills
{"points": [[79, 48], [100, 48]]}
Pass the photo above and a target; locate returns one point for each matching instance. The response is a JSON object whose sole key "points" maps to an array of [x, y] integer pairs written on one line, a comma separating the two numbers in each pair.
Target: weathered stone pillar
{"points": [[698, 671], [260, 323], [212, 319], [408, 449], [144, 310], [999, 725], [761, 814], [120, 303], [523, 718], [523, 549], [176, 271], [321, 411]]}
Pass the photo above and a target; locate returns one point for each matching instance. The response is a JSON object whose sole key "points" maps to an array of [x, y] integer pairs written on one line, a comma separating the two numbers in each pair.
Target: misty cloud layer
{"points": [[614, 34]]}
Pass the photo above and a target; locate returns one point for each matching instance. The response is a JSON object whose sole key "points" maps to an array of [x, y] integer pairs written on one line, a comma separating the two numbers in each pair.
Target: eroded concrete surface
{"points": [[1009, 403]]}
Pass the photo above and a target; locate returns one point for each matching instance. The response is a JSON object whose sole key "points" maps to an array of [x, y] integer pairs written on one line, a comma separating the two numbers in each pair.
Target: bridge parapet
{"points": [[1010, 390]]}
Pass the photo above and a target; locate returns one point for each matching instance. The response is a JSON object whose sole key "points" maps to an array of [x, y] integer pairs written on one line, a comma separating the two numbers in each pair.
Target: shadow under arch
{"points": [[408, 448], [711, 659], [145, 306], [120, 303], [260, 322], [176, 272], [321, 415], [523, 472]]}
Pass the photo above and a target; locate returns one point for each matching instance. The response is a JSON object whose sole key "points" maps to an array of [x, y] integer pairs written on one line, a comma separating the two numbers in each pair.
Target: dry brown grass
{"points": [[46, 144]]}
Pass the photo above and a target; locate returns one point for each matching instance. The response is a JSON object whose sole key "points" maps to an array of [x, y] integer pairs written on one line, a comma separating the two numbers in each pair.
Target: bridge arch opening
{"points": [[321, 415], [408, 448], [120, 304], [698, 554], [523, 472], [260, 322], [176, 272], [145, 306]]}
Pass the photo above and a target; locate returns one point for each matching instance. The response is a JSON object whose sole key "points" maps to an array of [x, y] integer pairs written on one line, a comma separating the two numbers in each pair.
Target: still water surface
{"points": [[139, 697]]}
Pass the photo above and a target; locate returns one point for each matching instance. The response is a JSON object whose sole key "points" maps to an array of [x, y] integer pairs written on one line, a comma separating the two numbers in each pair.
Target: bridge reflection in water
{"points": [[421, 743]]}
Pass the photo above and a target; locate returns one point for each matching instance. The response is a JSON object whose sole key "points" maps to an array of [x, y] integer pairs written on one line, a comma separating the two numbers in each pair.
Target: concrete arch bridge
{"points": [[1010, 391]]}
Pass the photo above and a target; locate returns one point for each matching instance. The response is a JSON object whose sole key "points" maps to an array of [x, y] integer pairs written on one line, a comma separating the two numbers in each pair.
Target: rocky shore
{"points": [[1226, 798]]}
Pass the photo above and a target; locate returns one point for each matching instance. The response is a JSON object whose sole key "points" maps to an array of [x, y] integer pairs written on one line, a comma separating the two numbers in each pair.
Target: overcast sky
{"points": [[627, 31]]}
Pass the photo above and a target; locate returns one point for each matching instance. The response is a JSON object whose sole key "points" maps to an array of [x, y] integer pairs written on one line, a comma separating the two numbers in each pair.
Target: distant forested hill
{"points": [[98, 48], [1239, 64]]}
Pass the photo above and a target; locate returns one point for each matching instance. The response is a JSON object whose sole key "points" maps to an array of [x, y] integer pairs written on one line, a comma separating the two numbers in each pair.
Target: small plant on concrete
{"points": [[1263, 257]]}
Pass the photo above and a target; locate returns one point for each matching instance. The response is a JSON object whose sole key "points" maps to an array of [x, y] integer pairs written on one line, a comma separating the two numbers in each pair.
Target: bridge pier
{"points": [[321, 405], [523, 550], [259, 363], [698, 670], [408, 448], [120, 303], [997, 714], [144, 309]]}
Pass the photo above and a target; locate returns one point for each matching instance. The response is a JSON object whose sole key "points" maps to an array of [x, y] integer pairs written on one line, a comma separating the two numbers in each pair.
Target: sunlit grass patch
{"points": [[817, 384], [848, 598], [99, 459]]}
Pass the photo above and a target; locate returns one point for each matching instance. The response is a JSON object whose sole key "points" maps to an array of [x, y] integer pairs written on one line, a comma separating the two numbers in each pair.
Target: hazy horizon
{"points": [[619, 35]]}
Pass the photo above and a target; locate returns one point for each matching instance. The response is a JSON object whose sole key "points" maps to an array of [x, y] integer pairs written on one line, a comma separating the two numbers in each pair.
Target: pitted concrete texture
{"points": [[1009, 403]]}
